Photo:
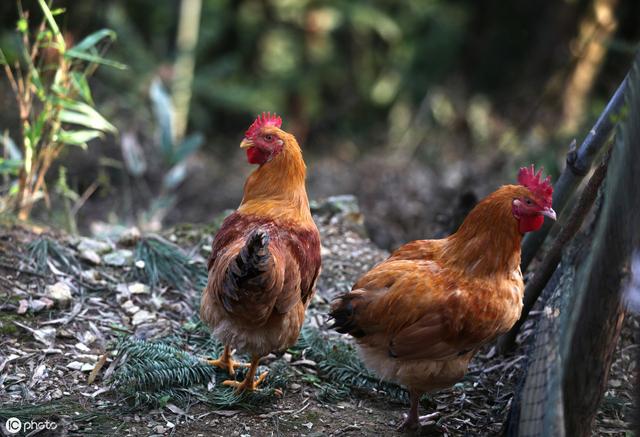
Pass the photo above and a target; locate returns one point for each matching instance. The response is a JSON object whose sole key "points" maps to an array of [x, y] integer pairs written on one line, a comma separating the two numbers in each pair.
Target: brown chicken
{"points": [[266, 256], [420, 316]]}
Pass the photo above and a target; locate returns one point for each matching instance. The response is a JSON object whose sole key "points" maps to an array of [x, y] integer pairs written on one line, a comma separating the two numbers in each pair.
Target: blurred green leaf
{"points": [[163, 111], [84, 115], [10, 166], [89, 57], [93, 39], [78, 137], [80, 83], [366, 17], [175, 176], [133, 154], [45, 35], [22, 25], [10, 146], [62, 46], [62, 187], [190, 144]]}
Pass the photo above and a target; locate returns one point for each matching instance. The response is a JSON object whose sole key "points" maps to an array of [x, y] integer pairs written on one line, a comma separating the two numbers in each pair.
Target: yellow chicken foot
{"points": [[248, 383], [226, 362]]}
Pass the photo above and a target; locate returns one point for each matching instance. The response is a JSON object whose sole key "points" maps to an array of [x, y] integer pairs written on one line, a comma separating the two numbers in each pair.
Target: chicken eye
{"points": [[528, 202], [268, 138]]}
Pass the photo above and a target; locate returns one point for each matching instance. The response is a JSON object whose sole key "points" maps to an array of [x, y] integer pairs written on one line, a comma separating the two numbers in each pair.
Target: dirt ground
{"points": [[51, 342]]}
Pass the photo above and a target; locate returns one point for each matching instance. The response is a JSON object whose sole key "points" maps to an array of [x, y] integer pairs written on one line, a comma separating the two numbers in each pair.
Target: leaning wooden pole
{"points": [[597, 314], [579, 163]]}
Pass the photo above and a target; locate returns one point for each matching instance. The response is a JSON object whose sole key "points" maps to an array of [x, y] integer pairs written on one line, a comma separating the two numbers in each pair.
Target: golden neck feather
{"points": [[277, 188], [488, 241]]}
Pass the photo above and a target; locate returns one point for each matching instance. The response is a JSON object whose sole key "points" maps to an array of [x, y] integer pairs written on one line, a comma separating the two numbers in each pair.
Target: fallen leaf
{"points": [[96, 369]]}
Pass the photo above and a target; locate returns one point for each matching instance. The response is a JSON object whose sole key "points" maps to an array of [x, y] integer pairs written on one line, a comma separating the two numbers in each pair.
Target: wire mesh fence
{"points": [[569, 357]]}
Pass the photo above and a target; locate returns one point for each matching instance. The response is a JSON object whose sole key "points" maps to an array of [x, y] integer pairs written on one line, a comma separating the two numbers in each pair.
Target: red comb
{"points": [[264, 119], [542, 189]]}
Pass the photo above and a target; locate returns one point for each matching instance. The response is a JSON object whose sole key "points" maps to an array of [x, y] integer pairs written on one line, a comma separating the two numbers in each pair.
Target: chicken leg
{"points": [[227, 362], [248, 383], [412, 421]]}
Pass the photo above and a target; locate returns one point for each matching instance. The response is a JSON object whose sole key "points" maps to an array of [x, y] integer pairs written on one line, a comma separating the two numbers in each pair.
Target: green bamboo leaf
{"points": [[38, 125], [11, 148], [89, 57], [90, 41], [175, 176], [163, 111], [82, 114], [79, 82], [73, 117], [190, 144], [62, 47], [36, 82], [79, 137], [10, 166]]}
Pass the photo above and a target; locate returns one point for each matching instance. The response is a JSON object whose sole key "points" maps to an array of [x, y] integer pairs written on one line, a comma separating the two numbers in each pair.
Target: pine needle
{"points": [[44, 250], [165, 262], [340, 368], [153, 373]]}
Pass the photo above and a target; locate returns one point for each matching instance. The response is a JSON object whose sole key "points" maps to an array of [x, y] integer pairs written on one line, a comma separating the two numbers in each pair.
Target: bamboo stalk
{"points": [[188, 29]]}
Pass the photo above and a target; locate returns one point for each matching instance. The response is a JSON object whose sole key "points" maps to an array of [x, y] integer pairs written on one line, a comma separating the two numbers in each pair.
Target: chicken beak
{"points": [[549, 212], [246, 143]]}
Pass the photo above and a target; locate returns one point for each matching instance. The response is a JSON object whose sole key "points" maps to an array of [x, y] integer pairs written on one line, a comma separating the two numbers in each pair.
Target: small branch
{"points": [[548, 266], [85, 196]]}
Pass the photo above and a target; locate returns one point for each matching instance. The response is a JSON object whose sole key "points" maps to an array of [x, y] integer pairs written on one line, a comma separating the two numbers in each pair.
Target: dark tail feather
{"points": [[245, 270], [343, 314]]}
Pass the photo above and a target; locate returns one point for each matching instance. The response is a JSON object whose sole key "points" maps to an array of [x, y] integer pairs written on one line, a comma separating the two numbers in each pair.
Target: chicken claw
{"points": [[247, 383], [227, 362], [415, 422]]}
